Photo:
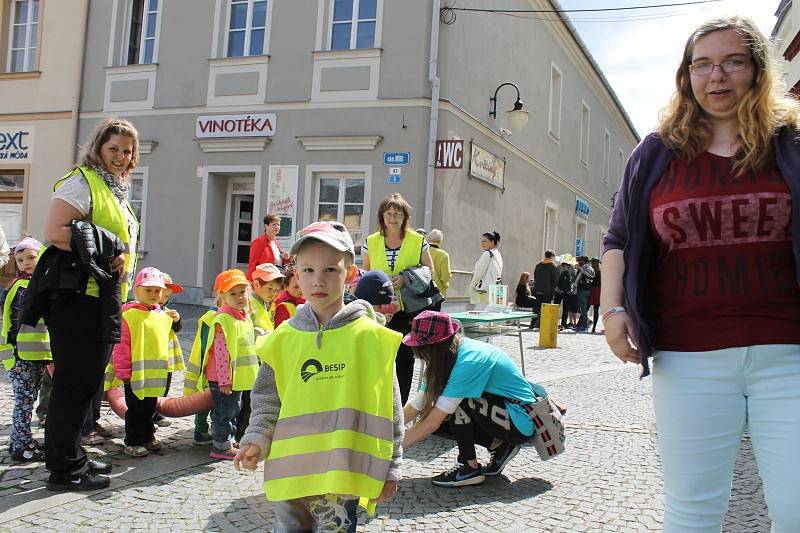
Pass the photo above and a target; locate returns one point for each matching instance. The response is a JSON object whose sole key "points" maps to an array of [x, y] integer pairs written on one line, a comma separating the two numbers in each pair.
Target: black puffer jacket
{"points": [[58, 271]]}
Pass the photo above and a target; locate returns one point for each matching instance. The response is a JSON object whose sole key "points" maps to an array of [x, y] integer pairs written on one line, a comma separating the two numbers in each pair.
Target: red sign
{"points": [[450, 153]]}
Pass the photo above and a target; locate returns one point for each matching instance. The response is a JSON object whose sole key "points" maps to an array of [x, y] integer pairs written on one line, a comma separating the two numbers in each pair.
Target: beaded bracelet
{"points": [[613, 311]]}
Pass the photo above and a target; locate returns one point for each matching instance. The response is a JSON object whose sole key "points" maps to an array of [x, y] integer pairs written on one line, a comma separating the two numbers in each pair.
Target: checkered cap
{"points": [[430, 327]]}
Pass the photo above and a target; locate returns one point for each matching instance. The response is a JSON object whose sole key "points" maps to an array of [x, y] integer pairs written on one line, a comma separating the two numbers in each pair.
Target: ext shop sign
{"points": [[16, 145], [249, 125], [486, 166]]}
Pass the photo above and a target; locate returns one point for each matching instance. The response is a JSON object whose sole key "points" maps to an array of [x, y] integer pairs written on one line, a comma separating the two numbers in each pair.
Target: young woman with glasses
{"points": [[701, 266]]}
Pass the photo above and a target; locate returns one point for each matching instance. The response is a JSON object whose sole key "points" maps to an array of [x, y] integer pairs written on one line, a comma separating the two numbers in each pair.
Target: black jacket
{"points": [[59, 272]]}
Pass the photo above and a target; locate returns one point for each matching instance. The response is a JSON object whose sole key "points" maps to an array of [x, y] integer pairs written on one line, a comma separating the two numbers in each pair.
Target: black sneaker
{"points": [[87, 481], [501, 456], [28, 455], [99, 467], [459, 476]]}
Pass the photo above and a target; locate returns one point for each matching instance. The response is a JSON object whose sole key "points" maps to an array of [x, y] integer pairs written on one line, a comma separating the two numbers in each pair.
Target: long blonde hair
{"points": [[90, 152], [686, 129]]}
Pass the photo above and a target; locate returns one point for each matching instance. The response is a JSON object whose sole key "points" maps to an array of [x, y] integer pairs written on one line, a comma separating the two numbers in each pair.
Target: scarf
{"points": [[118, 186]]}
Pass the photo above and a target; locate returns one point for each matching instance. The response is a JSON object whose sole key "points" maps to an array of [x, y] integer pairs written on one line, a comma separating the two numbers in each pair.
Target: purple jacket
{"points": [[630, 231]]}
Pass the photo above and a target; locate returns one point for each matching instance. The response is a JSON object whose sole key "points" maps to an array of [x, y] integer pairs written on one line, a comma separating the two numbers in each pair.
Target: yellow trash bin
{"points": [[548, 326]]}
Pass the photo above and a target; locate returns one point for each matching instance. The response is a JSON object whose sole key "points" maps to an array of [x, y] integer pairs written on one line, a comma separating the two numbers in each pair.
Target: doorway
{"points": [[241, 230]]}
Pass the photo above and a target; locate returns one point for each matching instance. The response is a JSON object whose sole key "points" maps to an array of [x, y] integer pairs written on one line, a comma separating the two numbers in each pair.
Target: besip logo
{"points": [[309, 369], [312, 367]]}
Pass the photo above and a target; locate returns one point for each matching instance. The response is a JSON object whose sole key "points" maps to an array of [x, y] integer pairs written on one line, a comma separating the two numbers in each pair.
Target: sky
{"points": [[639, 57]]}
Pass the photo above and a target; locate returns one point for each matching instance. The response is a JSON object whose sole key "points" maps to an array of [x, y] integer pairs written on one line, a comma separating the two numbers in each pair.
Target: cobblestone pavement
{"points": [[607, 480]]}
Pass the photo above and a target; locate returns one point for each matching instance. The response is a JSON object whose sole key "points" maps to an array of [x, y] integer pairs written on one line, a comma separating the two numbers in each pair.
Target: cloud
{"points": [[639, 57]]}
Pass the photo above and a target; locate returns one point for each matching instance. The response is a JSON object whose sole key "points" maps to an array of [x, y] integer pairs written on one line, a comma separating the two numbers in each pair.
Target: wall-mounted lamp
{"points": [[517, 117]]}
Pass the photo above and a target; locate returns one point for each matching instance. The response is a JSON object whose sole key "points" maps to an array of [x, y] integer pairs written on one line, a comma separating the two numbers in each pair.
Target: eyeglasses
{"points": [[705, 68], [395, 216]]}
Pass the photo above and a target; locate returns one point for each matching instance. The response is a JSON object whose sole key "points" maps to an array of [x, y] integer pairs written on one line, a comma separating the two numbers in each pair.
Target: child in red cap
{"points": [[141, 360]]}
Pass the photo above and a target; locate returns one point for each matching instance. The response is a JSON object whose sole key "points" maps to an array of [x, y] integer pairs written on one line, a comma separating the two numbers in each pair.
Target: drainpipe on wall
{"points": [[76, 100], [433, 79]]}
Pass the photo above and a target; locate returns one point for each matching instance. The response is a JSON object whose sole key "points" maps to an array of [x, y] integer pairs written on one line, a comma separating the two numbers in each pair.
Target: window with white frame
{"points": [[247, 28], [620, 166], [353, 24], [142, 32], [137, 197], [584, 145], [341, 197], [23, 34], [554, 120], [606, 156]]}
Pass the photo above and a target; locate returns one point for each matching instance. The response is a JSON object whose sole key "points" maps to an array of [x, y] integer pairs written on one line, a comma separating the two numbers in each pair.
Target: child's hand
{"points": [[247, 457], [225, 389], [173, 314], [388, 492]]}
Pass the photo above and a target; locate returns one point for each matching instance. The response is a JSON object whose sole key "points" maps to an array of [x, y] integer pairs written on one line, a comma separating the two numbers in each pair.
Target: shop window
{"points": [[22, 40], [353, 24], [342, 198], [247, 28], [142, 32], [137, 197], [12, 187]]}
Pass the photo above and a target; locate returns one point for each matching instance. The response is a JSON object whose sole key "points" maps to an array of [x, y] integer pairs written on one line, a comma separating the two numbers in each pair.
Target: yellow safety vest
{"points": [[33, 343], [175, 352], [334, 433], [107, 213], [290, 307], [195, 379], [150, 356], [261, 316], [409, 255], [241, 344]]}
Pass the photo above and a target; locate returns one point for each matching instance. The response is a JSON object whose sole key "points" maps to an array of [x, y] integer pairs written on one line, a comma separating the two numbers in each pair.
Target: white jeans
{"points": [[702, 402]]}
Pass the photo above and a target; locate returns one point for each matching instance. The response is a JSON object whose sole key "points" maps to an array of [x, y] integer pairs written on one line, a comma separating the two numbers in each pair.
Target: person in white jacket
{"points": [[487, 270]]}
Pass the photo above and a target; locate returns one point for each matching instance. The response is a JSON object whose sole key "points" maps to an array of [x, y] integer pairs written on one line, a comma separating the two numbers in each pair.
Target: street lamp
{"points": [[517, 117]]}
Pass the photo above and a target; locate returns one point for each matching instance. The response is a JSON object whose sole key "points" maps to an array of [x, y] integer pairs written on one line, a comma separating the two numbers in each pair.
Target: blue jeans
{"points": [[316, 513], [583, 303], [702, 402], [223, 416]]}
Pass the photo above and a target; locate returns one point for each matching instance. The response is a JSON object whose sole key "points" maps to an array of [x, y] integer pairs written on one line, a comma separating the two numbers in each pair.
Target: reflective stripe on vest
{"points": [[261, 315], [107, 213], [149, 337], [33, 343], [240, 341], [195, 380], [333, 435]]}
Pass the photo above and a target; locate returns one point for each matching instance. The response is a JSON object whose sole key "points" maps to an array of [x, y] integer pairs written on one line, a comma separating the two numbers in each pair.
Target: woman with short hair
{"points": [[702, 263], [266, 248], [392, 249]]}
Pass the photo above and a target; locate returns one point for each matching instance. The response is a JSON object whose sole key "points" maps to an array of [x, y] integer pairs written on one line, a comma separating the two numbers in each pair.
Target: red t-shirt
{"points": [[725, 274]]}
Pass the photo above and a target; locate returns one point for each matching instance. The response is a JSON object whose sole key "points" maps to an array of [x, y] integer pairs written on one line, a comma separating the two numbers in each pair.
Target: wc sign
{"points": [[16, 145], [450, 153]]}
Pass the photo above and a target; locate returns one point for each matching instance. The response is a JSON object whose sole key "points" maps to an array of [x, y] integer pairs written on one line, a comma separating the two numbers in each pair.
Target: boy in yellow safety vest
{"points": [[25, 352], [327, 417], [141, 360], [232, 363]]}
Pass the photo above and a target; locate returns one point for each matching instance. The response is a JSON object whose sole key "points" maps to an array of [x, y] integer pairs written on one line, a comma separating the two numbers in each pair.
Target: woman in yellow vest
{"points": [[141, 360], [95, 191], [392, 249], [25, 352]]}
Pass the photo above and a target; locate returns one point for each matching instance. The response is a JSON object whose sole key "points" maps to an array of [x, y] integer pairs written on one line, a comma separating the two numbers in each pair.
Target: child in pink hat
{"points": [[141, 360]]}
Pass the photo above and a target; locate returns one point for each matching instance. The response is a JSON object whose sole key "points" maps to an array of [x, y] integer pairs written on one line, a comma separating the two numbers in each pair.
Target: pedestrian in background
{"points": [[726, 353], [265, 248], [545, 279], [487, 270], [583, 287], [441, 261], [594, 295]]}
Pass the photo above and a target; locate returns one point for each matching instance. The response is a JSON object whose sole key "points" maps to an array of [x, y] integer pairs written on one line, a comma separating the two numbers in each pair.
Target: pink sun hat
{"points": [[150, 277]]}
